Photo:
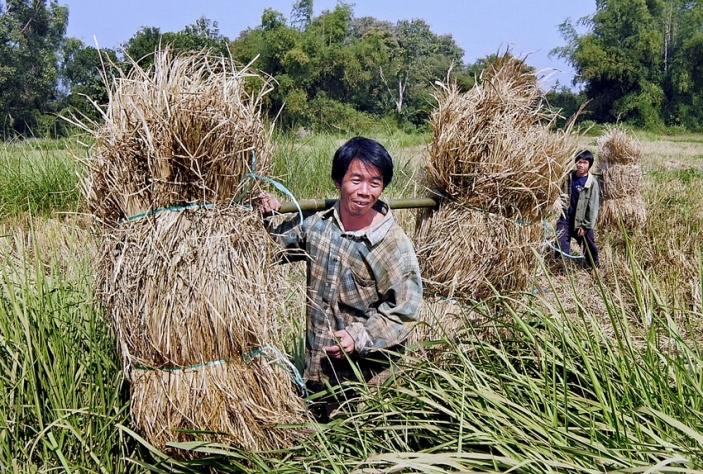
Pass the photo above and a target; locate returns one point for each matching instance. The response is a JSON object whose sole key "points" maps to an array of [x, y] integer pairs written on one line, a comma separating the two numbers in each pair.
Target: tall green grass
{"points": [[548, 393], [38, 177], [61, 397]]}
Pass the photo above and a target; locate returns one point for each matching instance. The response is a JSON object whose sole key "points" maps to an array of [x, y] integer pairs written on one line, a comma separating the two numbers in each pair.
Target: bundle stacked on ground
{"points": [[619, 158], [496, 166], [187, 272]]}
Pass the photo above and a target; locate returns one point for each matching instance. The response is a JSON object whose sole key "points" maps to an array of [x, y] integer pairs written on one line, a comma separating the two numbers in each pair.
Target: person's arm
{"points": [[589, 220]]}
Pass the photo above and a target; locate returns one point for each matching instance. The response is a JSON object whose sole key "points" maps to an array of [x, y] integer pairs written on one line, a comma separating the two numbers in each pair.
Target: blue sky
{"points": [[480, 27]]}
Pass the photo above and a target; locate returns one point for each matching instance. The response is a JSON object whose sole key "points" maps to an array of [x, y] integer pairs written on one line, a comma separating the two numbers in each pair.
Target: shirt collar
{"points": [[375, 233]]}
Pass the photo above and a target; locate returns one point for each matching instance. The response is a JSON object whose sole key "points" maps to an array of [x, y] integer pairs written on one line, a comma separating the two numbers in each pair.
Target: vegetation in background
{"points": [[38, 177], [30, 33], [61, 400], [639, 62]]}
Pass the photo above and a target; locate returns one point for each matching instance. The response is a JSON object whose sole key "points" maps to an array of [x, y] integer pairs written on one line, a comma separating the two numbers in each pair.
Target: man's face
{"points": [[582, 167], [360, 188]]}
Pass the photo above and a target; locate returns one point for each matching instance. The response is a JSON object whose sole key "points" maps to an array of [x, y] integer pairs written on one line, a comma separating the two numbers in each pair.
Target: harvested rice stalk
{"points": [[621, 181], [617, 147], [186, 130], [493, 148], [237, 402], [466, 253], [629, 213], [619, 158], [190, 286]]}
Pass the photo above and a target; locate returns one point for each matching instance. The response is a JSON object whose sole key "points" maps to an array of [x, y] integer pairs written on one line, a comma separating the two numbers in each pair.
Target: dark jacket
{"points": [[586, 212]]}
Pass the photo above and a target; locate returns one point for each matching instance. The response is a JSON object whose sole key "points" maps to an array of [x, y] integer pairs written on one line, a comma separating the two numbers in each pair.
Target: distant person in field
{"points": [[363, 280], [581, 201]]}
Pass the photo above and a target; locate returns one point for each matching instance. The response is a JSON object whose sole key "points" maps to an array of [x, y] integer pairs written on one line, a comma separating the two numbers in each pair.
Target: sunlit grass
{"points": [[61, 394], [39, 177], [599, 374]]}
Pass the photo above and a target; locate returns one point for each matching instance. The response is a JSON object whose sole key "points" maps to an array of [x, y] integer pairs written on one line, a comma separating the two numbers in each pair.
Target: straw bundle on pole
{"points": [[498, 166], [185, 130], [619, 158], [187, 271], [190, 286], [467, 253], [210, 398], [493, 147]]}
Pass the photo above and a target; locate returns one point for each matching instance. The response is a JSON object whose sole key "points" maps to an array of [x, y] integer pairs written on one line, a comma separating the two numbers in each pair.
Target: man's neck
{"points": [[353, 223]]}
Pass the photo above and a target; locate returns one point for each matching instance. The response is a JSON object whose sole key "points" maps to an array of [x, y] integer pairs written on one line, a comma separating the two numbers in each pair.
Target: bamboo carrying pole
{"points": [[322, 204]]}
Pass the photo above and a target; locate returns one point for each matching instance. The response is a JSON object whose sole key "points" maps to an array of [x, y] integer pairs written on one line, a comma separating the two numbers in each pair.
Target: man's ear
{"points": [[337, 184]]}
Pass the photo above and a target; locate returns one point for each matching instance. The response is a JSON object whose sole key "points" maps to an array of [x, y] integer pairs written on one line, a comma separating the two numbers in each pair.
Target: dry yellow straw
{"points": [[619, 158], [187, 130], [186, 272], [498, 164]]}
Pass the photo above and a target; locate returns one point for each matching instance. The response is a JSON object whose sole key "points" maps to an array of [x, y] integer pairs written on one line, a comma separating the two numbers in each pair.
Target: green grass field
{"points": [[584, 374]]}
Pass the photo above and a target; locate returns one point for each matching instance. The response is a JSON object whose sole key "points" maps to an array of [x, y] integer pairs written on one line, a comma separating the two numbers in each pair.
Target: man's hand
{"points": [[268, 204], [581, 232], [346, 345]]}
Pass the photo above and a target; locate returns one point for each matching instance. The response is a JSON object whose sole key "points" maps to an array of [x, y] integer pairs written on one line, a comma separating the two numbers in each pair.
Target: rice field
{"points": [[582, 373]]}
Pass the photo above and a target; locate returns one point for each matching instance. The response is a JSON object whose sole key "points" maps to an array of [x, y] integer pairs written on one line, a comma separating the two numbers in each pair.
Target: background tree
{"points": [[684, 66], [350, 68], [640, 61], [301, 15], [204, 34], [620, 61], [83, 72], [31, 32]]}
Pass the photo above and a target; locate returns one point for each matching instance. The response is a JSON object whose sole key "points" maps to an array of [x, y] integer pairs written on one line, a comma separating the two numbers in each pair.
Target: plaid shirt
{"points": [[367, 282]]}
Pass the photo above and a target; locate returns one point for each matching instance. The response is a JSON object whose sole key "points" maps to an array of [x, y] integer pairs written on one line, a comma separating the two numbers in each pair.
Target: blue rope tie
{"points": [[558, 250], [166, 209], [248, 358], [280, 358], [177, 368], [248, 177], [252, 175]]}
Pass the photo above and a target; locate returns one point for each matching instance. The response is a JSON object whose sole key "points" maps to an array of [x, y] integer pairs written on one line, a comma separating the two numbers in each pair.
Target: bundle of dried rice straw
{"points": [[185, 130], [497, 165], [186, 271], [619, 158], [467, 253]]}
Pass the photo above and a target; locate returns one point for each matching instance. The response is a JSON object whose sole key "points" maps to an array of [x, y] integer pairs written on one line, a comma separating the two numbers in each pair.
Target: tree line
{"points": [[640, 62], [637, 62]]}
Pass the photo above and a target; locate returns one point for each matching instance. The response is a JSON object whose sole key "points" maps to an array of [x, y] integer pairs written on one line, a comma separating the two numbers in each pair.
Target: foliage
{"points": [[526, 383], [204, 34], [639, 61], [61, 398], [84, 72], [566, 101], [362, 64], [30, 34]]}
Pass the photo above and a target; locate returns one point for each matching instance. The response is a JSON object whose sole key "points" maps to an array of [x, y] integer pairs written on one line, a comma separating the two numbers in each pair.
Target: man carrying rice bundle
{"points": [[363, 280], [581, 200]]}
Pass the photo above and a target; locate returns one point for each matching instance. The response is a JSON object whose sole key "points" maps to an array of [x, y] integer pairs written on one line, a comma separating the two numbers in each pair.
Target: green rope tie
{"points": [[247, 184], [248, 357]]}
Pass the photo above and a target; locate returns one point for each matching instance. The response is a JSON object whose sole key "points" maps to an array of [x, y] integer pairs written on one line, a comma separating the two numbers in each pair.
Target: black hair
{"points": [[369, 151], [585, 155]]}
